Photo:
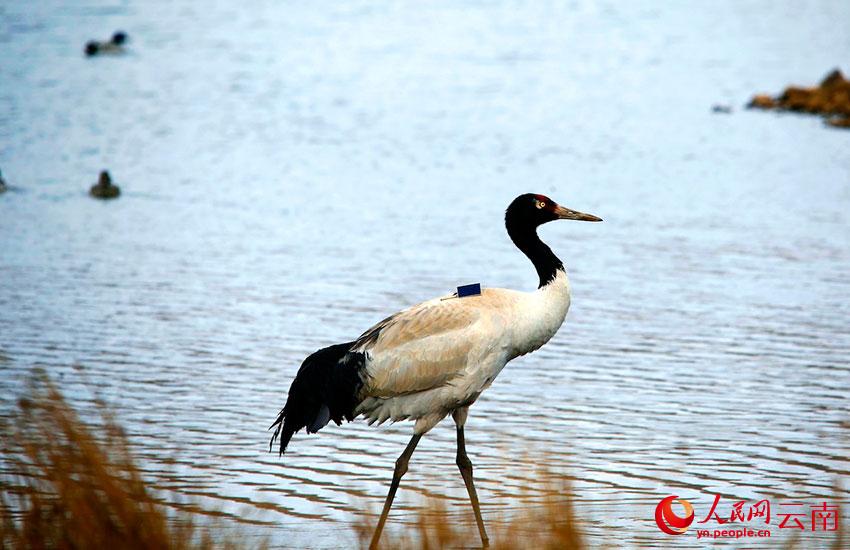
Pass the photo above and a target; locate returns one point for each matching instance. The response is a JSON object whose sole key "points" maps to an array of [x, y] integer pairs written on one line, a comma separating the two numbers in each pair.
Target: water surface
{"points": [[292, 173]]}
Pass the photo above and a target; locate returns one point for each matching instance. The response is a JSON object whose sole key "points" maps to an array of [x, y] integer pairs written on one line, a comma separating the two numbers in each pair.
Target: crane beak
{"points": [[567, 214]]}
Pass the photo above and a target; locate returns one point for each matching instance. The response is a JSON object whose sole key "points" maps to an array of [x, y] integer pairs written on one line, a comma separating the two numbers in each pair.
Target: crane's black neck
{"points": [[525, 238]]}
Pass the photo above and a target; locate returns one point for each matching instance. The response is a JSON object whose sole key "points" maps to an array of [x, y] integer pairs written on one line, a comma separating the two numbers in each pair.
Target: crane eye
{"points": [[541, 204]]}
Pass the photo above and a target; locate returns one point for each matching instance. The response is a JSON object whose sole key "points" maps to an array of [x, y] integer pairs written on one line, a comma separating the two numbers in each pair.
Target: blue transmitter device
{"points": [[469, 290]]}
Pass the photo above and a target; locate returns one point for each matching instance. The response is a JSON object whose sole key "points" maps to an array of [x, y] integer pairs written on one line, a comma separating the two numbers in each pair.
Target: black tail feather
{"points": [[325, 388]]}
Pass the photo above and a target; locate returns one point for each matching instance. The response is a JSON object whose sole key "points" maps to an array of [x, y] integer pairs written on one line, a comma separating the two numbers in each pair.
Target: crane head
{"points": [[533, 209]]}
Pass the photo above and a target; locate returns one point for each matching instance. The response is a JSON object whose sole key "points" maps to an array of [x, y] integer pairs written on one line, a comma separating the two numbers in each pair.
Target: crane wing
{"points": [[429, 344]]}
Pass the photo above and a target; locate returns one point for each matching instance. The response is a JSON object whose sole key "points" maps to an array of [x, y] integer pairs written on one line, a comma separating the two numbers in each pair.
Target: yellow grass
{"points": [[551, 524], [69, 484]]}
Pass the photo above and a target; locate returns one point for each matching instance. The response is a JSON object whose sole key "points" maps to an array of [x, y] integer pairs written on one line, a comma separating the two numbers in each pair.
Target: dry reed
{"points": [[67, 484], [552, 524]]}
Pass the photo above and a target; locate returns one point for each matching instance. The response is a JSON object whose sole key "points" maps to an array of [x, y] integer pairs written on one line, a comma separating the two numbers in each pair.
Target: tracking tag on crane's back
{"points": [[469, 290]]}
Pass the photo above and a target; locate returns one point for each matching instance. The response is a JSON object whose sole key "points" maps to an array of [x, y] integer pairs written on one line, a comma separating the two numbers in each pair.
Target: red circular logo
{"points": [[667, 519]]}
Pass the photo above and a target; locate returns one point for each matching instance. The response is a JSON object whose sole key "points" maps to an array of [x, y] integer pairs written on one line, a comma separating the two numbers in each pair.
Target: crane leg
{"points": [[465, 466], [400, 469]]}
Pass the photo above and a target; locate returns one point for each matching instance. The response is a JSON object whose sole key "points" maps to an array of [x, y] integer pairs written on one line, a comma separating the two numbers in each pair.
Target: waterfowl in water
{"points": [[113, 46], [104, 188]]}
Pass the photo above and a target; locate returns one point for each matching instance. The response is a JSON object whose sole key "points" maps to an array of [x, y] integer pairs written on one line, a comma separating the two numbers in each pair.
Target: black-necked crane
{"points": [[435, 358]]}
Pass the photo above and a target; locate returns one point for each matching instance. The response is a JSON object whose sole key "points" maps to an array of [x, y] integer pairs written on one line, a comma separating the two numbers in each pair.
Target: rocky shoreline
{"points": [[830, 99]]}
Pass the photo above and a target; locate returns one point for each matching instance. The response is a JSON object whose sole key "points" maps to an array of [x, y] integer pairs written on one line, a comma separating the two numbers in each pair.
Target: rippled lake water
{"points": [[293, 172]]}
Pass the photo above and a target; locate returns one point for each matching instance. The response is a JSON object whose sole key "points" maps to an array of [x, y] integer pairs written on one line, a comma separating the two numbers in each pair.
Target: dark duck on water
{"points": [[104, 188], [113, 46], [436, 358]]}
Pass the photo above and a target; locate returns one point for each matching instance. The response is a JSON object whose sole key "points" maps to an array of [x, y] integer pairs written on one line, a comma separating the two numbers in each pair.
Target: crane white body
{"points": [[438, 356]]}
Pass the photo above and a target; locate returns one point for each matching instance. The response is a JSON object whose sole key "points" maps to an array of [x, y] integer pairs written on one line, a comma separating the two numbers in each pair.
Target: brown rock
{"points": [[839, 122], [761, 101], [834, 79], [831, 97]]}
